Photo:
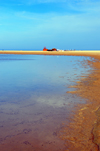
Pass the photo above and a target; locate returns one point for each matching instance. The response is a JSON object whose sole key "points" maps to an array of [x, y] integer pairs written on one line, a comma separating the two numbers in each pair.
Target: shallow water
{"points": [[33, 100]]}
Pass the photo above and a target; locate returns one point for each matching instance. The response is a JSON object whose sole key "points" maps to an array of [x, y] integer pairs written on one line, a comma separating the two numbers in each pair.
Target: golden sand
{"points": [[83, 133], [68, 53]]}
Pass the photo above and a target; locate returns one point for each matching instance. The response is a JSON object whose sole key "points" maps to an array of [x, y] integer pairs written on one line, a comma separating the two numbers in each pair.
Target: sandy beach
{"points": [[83, 133], [66, 53]]}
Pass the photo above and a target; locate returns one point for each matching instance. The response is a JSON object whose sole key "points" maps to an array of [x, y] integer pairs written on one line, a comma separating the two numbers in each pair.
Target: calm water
{"points": [[33, 100]]}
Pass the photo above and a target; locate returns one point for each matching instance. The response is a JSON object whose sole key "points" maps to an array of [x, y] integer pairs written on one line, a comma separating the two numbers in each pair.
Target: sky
{"points": [[61, 24]]}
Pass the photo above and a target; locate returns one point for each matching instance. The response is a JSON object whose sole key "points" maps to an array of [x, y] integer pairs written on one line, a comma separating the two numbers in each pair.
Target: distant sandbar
{"points": [[65, 53]]}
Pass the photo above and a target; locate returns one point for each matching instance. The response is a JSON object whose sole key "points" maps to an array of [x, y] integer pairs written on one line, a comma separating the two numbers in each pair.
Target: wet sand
{"points": [[68, 53], [83, 132], [30, 127]]}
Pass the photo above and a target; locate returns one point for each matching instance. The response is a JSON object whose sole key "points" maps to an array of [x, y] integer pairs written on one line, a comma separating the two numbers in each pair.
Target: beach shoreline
{"points": [[65, 53], [83, 133]]}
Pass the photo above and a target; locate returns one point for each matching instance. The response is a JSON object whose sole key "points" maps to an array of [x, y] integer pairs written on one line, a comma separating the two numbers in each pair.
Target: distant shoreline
{"points": [[65, 53]]}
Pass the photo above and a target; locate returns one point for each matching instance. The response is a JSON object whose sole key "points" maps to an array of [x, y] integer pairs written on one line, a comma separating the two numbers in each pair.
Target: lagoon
{"points": [[33, 99]]}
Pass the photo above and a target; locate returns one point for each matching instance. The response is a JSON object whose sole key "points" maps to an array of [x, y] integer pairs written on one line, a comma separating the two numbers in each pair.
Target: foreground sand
{"points": [[83, 133], [68, 53]]}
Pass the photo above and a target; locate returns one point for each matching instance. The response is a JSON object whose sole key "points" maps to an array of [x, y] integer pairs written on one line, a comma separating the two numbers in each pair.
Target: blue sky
{"points": [[64, 24]]}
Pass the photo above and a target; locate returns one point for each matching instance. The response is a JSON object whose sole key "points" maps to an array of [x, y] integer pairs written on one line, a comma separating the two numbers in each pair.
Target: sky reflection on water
{"points": [[35, 75], [33, 97], [48, 74]]}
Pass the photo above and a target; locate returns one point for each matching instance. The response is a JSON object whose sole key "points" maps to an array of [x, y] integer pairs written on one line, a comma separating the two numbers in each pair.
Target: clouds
{"points": [[52, 23], [45, 6], [66, 23]]}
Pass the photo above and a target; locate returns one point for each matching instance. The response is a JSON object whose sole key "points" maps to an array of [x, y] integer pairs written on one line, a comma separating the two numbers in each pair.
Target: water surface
{"points": [[33, 100]]}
